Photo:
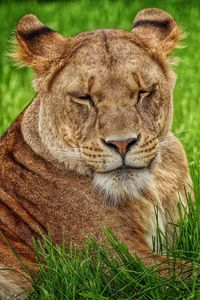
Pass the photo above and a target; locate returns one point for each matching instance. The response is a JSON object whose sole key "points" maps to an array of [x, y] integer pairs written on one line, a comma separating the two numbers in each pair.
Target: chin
{"points": [[121, 184]]}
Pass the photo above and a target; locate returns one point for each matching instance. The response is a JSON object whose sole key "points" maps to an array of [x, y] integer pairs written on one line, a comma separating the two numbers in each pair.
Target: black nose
{"points": [[121, 146]]}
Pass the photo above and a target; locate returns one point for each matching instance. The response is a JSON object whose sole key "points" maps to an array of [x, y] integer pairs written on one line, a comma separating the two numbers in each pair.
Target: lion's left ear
{"points": [[37, 44], [157, 29]]}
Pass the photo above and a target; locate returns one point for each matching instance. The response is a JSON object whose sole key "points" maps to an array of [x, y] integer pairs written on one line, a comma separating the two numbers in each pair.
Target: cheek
{"points": [[149, 114], [81, 119], [76, 115], [154, 111]]}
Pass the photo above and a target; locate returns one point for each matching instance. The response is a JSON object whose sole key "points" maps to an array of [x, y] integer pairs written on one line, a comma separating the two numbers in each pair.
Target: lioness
{"points": [[94, 147]]}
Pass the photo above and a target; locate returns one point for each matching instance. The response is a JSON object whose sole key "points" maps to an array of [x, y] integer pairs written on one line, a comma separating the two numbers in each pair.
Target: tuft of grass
{"points": [[99, 272], [107, 272], [71, 17], [110, 271]]}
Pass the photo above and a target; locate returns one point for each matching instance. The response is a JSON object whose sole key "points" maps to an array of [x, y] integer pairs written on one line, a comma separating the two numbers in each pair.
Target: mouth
{"points": [[126, 169]]}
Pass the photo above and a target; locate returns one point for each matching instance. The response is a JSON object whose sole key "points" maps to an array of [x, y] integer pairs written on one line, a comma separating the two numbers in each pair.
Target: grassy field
{"points": [[82, 276]]}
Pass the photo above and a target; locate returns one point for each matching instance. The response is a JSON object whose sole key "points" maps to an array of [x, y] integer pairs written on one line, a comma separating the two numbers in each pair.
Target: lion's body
{"points": [[36, 195], [56, 174]]}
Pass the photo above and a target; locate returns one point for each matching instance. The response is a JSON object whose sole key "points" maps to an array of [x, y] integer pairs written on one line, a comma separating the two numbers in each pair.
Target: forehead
{"points": [[110, 55]]}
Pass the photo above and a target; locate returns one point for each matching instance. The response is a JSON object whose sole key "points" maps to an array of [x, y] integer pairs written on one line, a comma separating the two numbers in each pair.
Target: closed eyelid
{"points": [[79, 94], [149, 89], [84, 97]]}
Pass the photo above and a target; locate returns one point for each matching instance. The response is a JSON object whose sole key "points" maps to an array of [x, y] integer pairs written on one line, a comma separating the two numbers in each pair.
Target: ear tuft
{"points": [[157, 29], [37, 44]]}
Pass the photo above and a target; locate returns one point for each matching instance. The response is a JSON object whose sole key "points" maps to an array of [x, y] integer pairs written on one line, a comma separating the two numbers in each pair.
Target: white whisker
{"points": [[67, 159], [70, 148], [77, 154]]}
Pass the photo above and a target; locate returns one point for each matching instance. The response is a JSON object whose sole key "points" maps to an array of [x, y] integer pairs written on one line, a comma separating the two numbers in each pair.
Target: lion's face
{"points": [[106, 104]]}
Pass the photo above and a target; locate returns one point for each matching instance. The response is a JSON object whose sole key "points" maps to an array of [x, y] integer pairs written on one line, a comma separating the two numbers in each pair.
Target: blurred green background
{"points": [[71, 17]]}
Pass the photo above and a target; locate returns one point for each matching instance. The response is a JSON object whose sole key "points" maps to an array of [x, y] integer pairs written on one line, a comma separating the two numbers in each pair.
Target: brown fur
{"points": [[59, 173]]}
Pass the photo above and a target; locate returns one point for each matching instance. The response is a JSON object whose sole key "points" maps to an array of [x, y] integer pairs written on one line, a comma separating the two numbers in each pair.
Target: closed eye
{"points": [[143, 93], [83, 99]]}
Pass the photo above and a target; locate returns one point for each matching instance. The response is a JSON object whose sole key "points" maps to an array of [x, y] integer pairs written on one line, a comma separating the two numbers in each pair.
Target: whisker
{"points": [[69, 153], [84, 164], [67, 158], [70, 148], [78, 148], [72, 157]]}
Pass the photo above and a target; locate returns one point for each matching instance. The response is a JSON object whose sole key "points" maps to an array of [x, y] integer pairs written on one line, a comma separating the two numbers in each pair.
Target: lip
{"points": [[130, 168], [125, 168]]}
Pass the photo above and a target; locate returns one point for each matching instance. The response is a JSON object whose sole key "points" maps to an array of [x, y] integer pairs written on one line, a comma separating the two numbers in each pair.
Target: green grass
{"points": [[72, 17], [103, 273], [98, 273], [92, 273]]}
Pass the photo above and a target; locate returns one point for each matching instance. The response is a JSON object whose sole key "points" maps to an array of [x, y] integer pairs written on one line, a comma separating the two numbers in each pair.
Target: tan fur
{"points": [[58, 171], [12, 284]]}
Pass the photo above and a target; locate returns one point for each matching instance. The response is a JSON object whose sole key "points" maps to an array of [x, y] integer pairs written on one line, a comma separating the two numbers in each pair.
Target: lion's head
{"points": [[105, 97]]}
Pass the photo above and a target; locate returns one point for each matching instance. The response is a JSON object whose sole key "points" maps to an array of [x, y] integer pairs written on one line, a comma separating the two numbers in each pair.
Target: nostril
{"points": [[132, 142], [109, 144]]}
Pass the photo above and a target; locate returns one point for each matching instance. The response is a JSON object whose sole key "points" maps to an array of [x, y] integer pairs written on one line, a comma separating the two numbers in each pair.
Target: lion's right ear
{"points": [[37, 45]]}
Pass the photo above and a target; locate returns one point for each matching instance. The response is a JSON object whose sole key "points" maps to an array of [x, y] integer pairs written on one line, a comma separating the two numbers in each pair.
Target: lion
{"points": [[94, 148]]}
